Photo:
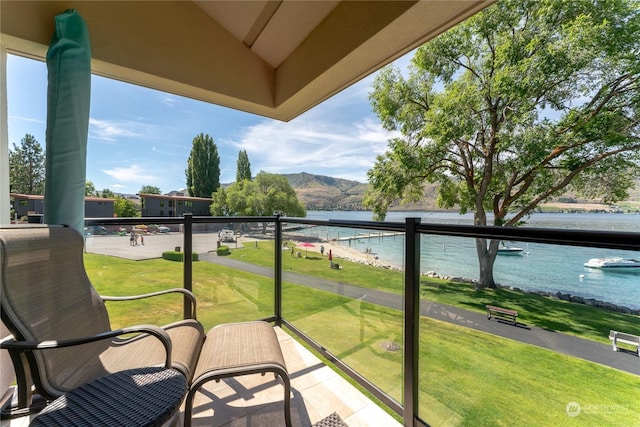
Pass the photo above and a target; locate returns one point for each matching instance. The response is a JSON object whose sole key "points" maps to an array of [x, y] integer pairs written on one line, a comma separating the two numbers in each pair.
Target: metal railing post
{"points": [[278, 272], [188, 261], [411, 320]]}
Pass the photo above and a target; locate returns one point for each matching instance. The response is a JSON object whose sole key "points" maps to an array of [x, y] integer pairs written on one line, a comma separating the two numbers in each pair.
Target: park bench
{"points": [[622, 337], [502, 313]]}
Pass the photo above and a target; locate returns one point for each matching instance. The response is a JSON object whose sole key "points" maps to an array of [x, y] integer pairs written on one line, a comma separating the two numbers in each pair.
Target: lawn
{"points": [[466, 377], [547, 313]]}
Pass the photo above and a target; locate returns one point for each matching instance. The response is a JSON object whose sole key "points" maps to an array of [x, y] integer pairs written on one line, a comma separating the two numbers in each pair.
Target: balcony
{"points": [[380, 346]]}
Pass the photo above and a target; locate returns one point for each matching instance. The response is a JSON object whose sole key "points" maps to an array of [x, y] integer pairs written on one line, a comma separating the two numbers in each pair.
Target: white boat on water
{"points": [[510, 251], [616, 263]]}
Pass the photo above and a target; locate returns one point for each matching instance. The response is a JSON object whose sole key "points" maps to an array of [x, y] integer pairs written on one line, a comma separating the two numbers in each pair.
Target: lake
{"points": [[544, 267]]}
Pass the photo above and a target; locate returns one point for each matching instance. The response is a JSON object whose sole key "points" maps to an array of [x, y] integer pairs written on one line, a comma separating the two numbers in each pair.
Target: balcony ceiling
{"points": [[272, 58]]}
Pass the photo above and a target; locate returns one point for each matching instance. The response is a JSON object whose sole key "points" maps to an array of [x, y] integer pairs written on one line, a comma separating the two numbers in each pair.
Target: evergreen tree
{"points": [[203, 167], [26, 167], [244, 167]]}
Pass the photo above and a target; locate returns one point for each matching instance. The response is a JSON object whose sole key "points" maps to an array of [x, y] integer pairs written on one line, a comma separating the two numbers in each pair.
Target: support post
{"points": [[278, 272], [188, 261], [411, 320], [4, 141]]}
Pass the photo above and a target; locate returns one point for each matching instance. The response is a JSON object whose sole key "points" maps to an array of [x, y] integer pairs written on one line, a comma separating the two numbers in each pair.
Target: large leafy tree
{"points": [[149, 189], [266, 195], [26, 167], [522, 102], [107, 194], [124, 208], [244, 166], [203, 167], [90, 189]]}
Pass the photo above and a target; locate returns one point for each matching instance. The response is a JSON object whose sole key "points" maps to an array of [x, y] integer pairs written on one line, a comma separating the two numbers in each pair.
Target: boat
{"points": [[510, 251], [615, 263]]}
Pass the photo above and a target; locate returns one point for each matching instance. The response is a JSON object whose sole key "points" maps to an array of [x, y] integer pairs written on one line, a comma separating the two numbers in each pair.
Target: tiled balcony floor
{"points": [[255, 400]]}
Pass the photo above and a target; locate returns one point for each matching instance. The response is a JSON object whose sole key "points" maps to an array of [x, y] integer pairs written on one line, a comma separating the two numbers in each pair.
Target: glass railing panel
{"points": [[479, 371], [127, 259], [353, 309], [234, 278]]}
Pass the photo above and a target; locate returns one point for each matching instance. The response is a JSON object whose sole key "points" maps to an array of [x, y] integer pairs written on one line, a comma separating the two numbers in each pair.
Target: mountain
{"points": [[318, 192]]}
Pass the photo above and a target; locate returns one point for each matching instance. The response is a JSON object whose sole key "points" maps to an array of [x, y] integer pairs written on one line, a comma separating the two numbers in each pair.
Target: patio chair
{"points": [[62, 337]]}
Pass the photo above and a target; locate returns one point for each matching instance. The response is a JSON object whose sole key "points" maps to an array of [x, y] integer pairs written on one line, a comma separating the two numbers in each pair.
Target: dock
{"points": [[368, 236]]}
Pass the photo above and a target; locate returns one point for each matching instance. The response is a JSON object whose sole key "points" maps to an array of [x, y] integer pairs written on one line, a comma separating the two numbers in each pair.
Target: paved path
{"points": [[561, 343]]}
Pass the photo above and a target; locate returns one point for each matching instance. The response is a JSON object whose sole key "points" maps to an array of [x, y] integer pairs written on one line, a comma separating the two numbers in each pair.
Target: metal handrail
{"points": [[412, 228]]}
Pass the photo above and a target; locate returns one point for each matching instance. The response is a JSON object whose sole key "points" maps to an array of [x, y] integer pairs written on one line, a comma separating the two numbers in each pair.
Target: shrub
{"points": [[177, 256], [223, 250]]}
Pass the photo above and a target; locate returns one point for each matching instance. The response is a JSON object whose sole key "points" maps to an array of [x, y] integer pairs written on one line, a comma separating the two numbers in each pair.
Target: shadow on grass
{"points": [[544, 312]]}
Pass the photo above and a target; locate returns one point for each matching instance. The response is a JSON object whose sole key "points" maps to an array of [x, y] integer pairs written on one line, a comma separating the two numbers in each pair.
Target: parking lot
{"points": [[154, 245]]}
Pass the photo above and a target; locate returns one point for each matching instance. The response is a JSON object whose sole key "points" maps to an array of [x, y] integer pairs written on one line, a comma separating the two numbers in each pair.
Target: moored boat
{"points": [[616, 263], [510, 251]]}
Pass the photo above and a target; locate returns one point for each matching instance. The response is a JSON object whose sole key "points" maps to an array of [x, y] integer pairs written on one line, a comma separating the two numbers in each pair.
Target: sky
{"points": [[139, 136]]}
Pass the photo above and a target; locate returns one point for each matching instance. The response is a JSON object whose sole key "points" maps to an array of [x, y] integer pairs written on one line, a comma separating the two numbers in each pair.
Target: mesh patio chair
{"points": [[61, 334]]}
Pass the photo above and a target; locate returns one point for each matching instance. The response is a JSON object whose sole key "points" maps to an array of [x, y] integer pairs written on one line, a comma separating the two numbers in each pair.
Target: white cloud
{"points": [[113, 130], [341, 150], [27, 119], [130, 174]]}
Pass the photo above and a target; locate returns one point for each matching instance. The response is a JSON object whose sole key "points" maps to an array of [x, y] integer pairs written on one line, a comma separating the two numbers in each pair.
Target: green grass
{"points": [[547, 313], [466, 377]]}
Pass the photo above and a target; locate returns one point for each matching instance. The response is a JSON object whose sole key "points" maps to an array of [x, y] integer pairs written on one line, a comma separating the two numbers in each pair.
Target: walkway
{"points": [[561, 343]]}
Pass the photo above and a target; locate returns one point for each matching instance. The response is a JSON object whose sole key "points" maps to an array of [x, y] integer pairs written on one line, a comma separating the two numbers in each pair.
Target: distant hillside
{"points": [[318, 192]]}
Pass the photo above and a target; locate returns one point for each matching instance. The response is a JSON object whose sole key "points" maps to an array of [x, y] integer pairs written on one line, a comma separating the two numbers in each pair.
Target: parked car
{"points": [[94, 230], [226, 236], [163, 229]]}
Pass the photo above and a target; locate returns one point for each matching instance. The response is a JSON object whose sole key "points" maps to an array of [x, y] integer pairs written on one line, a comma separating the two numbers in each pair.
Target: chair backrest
{"points": [[45, 294]]}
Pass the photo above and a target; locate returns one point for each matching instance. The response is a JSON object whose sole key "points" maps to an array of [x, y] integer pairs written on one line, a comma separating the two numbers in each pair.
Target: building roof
{"points": [[41, 197], [272, 58], [169, 197]]}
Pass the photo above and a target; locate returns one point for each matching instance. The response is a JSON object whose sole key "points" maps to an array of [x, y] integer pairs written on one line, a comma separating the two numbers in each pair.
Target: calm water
{"points": [[543, 267]]}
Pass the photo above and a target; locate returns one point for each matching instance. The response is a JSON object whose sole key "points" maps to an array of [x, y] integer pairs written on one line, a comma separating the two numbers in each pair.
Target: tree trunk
{"points": [[486, 259]]}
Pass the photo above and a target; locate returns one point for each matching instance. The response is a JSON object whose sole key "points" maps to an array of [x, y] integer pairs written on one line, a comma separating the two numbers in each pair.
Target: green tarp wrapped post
{"points": [[68, 99]]}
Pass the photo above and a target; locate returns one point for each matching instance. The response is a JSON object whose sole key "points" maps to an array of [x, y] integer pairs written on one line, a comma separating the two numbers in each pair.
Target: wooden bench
{"points": [[502, 313], [616, 337]]}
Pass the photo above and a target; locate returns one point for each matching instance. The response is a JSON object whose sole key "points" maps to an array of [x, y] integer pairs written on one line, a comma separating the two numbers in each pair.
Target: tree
{"points": [[268, 194], [124, 208], [149, 189], [522, 102], [244, 166], [26, 167], [107, 194], [90, 189], [203, 167]]}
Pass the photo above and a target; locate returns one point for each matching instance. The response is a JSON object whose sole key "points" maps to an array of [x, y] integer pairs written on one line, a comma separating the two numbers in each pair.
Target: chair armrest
{"points": [[9, 344], [183, 291]]}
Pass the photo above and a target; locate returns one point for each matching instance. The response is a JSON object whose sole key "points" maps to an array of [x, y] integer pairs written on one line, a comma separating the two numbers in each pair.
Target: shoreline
{"points": [[354, 255]]}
